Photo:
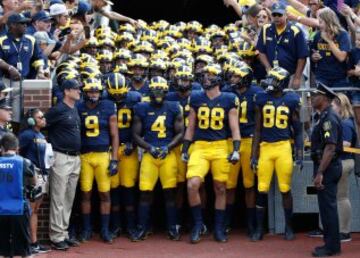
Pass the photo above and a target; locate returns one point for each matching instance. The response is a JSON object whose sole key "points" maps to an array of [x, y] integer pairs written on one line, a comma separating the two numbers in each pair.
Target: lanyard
{"points": [[278, 41], [18, 64]]}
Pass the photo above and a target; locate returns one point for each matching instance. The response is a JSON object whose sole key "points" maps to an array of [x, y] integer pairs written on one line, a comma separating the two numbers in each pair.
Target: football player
{"points": [[123, 184], [138, 68], [98, 133], [241, 85], [158, 128], [183, 87], [276, 124], [212, 113]]}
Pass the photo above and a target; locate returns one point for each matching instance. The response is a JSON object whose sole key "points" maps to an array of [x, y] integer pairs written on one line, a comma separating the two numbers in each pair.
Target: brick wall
{"points": [[37, 94]]}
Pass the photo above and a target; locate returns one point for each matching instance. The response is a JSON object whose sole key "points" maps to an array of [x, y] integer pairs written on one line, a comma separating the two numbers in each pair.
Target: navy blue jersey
{"points": [[184, 102], [95, 127], [354, 60], [276, 115], [125, 112], [158, 122], [247, 110], [212, 115], [144, 90]]}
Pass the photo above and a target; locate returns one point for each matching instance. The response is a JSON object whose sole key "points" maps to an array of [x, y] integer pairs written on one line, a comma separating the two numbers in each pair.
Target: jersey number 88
{"points": [[211, 117]]}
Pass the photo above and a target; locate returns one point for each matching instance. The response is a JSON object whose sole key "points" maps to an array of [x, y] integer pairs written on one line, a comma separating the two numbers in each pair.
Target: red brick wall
{"points": [[37, 94]]}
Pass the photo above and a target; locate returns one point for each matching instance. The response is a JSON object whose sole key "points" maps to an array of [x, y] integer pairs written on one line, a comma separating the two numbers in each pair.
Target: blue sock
{"points": [[86, 222], [171, 215], [105, 221], [197, 215], [144, 214], [179, 216], [219, 220], [128, 196], [130, 220], [229, 214], [115, 220]]}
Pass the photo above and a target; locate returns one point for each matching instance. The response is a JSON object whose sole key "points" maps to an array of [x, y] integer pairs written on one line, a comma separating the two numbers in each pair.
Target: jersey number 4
{"points": [[211, 117], [277, 116], [92, 126], [159, 126]]}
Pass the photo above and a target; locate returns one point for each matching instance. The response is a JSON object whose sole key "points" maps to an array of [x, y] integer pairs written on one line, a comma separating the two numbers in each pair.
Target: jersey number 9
{"points": [[92, 126], [159, 126], [211, 117], [275, 116]]}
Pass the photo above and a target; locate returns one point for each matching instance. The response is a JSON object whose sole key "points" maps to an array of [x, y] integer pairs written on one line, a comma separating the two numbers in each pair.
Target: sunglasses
{"points": [[40, 117], [277, 15]]}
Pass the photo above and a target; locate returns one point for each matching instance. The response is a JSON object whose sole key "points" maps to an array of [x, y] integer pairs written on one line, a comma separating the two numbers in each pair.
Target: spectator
{"points": [[100, 7], [41, 21], [61, 21], [9, 7], [342, 106], [5, 116], [64, 135], [330, 49], [14, 211], [33, 147], [19, 52], [282, 44]]}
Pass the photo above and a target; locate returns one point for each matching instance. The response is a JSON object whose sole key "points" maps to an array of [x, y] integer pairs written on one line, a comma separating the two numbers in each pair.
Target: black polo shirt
{"points": [[64, 128]]}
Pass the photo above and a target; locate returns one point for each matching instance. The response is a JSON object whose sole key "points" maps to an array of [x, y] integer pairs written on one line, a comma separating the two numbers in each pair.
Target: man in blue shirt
{"points": [[19, 52], [283, 44]]}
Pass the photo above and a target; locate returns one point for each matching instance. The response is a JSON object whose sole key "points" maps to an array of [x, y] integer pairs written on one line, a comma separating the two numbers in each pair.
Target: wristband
{"points": [[186, 146], [236, 145]]}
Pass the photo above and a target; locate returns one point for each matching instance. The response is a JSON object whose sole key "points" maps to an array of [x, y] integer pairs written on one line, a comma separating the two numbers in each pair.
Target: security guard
{"points": [[161, 124], [326, 145], [283, 44]]}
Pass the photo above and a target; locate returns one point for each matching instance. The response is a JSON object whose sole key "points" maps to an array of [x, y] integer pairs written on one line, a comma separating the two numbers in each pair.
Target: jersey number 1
{"points": [[159, 126]]}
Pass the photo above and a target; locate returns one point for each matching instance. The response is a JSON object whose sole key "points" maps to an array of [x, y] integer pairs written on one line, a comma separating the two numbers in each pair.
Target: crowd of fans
{"points": [[86, 42]]}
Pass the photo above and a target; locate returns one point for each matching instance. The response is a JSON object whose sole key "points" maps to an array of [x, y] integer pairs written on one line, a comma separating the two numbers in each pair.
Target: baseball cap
{"points": [[3, 88], [83, 8], [278, 8], [57, 9], [41, 16], [17, 18], [324, 90], [43, 37], [4, 104], [55, 2], [70, 84]]}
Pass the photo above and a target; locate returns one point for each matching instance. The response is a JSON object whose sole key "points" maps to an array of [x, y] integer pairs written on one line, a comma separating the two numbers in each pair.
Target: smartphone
{"points": [[64, 32]]}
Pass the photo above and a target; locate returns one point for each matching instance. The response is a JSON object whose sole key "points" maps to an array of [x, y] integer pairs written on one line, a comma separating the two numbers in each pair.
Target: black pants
{"points": [[328, 206], [15, 235]]}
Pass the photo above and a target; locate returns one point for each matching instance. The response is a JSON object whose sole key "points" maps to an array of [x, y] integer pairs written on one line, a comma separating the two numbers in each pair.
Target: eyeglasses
{"points": [[277, 15]]}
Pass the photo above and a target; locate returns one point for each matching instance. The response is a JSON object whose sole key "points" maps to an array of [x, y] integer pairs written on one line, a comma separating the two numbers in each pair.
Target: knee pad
{"points": [[115, 196], [261, 200]]}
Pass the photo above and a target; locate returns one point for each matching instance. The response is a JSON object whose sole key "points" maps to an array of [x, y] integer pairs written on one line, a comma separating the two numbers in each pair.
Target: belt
{"points": [[70, 153]]}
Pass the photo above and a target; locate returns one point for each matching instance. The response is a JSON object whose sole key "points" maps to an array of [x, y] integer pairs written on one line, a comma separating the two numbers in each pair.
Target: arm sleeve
{"points": [[331, 131], [24, 142], [301, 45], [52, 116], [344, 42], [260, 43]]}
